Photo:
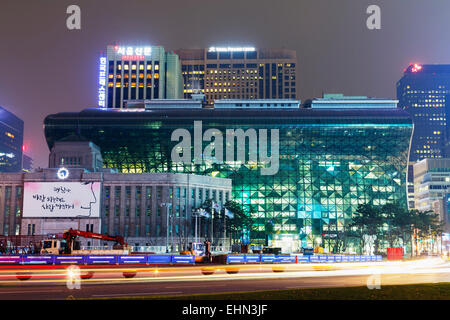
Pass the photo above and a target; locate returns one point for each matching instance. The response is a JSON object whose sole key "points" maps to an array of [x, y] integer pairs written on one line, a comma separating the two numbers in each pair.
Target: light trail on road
{"points": [[104, 275]]}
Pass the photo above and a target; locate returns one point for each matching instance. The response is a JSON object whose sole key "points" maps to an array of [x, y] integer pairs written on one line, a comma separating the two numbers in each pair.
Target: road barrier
{"points": [[303, 259], [252, 258], [267, 258], [10, 259], [235, 258], [134, 258], [38, 259], [182, 259], [69, 259], [101, 259], [284, 259], [159, 259]]}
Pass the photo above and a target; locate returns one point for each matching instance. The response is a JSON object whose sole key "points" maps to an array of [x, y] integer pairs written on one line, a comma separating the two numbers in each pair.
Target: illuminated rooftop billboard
{"points": [[133, 53], [130, 51], [231, 49]]}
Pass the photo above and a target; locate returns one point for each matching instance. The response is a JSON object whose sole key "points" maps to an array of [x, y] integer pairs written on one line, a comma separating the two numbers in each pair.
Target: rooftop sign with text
{"points": [[231, 49], [133, 53]]}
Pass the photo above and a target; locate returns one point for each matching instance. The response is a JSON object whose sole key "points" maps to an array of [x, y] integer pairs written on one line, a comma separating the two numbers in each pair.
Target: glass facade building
{"points": [[330, 160], [424, 91], [11, 141]]}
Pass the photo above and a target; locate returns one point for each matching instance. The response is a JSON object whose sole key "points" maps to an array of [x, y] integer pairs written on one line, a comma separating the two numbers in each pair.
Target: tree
{"points": [[341, 240], [402, 223], [367, 221], [427, 225], [241, 222], [393, 222]]}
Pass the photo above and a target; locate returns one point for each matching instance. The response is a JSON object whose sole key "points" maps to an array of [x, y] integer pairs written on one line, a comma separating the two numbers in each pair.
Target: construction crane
{"points": [[69, 244], [71, 234]]}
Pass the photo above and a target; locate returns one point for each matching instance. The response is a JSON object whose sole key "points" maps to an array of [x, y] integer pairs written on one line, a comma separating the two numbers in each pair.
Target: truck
{"points": [[69, 244], [199, 250]]}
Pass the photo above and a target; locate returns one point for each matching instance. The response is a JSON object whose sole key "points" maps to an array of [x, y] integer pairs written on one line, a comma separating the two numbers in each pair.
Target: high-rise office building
{"points": [[239, 73], [11, 141], [138, 73], [423, 92], [432, 190], [27, 163]]}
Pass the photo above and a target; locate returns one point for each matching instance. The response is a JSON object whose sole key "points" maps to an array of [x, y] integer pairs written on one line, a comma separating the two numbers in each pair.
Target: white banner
{"points": [[61, 200]]}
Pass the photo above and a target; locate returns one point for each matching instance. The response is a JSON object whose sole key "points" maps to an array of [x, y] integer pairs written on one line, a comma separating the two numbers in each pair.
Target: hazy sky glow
{"points": [[45, 68]]}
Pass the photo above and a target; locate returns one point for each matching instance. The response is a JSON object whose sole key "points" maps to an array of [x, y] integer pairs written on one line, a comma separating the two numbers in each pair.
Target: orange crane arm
{"points": [[71, 234]]}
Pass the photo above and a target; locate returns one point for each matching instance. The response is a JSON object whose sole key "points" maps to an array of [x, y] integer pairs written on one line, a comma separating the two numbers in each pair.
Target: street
{"points": [[109, 282]]}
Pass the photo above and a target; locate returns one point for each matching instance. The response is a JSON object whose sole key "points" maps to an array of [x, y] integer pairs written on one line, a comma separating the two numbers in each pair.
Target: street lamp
{"points": [[197, 214], [167, 205], [195, 227]]}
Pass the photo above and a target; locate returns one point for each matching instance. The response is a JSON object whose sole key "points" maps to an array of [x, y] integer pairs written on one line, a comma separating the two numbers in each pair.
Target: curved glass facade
{"points": [[330, 161]]}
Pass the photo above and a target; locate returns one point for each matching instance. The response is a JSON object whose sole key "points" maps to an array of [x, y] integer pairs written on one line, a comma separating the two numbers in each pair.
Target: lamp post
{"points": [[224, 229], [198, 212], [212, 221], [167, 205], [195, 227]]}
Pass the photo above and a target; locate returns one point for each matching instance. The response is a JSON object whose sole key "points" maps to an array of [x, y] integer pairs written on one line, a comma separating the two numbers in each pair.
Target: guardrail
{"points": [[176, 259], [142, 249], [272, 258]]}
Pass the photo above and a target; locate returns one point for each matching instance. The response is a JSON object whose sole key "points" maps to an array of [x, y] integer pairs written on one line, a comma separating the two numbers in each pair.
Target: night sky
{"points": [[46, 68]]}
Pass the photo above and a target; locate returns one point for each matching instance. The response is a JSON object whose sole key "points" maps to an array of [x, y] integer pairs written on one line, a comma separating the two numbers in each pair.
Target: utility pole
{"points": [[167, 205], [212, 221], [429, 240], [224, 228], [196, 219], [196, 216]]}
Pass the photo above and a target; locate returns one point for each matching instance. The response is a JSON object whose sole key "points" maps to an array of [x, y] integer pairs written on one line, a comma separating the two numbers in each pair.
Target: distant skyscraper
{"points": [[423, 91], [27, 163], [239, 73], [138, 73], [11, 141]]}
